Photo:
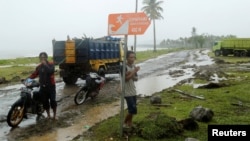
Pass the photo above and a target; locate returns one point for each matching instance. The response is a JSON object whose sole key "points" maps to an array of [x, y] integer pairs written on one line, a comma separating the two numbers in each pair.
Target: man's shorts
{"points": [[131, 103]]}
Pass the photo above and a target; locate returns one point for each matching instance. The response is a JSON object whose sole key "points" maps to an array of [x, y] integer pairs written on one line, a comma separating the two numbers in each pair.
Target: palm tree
{"points": [[153, 9]]}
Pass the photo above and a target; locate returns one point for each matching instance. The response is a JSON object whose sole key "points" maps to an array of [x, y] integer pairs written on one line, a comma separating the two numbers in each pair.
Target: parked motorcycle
{"points": [[29, 102], [93, 85]]}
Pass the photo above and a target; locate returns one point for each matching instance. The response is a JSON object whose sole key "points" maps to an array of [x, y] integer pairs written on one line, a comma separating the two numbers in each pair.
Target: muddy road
{"points": [[155, 75]]}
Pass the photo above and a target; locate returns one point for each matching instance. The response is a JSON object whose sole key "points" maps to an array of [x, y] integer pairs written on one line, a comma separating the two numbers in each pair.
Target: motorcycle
{"points": [[93, 85], [29, 102]]}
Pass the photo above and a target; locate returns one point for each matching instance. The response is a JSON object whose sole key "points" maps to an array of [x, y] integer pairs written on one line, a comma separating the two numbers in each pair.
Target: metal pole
{"points": [[136, 6], [123, 84]]}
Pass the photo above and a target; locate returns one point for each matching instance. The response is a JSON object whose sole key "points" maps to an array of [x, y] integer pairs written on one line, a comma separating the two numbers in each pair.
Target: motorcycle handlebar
{"points": [[30, 82]]}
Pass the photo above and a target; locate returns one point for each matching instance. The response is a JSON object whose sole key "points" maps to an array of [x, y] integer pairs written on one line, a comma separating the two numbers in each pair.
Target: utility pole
{"points": [[125, 49], [136, 6]]}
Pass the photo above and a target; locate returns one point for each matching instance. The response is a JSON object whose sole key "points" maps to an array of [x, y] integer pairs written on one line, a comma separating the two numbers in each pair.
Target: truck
{"points": [[239, 47], [78, 57]]}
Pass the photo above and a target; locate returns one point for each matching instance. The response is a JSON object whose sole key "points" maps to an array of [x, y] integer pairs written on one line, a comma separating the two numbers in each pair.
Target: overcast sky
{"points": [[28, 26]]}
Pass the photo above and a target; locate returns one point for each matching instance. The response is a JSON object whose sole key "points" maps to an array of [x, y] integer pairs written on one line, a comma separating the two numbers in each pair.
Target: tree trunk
{"points": [[154, 36]]}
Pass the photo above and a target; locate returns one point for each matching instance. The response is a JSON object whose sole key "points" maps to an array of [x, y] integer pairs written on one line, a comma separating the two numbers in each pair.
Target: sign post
{"points": [[126, 24], [123, 83]]}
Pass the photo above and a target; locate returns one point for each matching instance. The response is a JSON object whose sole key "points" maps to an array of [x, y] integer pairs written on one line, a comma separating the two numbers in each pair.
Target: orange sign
{"points": [[128, 23]]}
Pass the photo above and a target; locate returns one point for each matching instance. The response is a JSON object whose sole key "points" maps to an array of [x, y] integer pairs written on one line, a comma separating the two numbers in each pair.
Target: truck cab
{"points": [[217, 48]]}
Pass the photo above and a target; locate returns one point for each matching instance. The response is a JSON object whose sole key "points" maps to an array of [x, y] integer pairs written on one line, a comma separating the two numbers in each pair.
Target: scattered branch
{"points": [[194, 96], [240, 104], [162, 105]]}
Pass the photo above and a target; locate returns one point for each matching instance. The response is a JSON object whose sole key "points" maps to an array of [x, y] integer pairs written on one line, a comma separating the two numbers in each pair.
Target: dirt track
{"points": [[73, 119], [70, 116]]}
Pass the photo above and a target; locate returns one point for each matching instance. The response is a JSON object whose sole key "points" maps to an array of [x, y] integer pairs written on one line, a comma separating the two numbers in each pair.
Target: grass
{"points": [[231, 59], [16, 71], [19, 61], [145, 55], [220, 100], [16, 67], [19, 67]]}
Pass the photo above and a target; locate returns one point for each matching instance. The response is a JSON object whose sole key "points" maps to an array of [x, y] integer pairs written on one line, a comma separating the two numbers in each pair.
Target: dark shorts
{"points": [[48, 96], [131, 103]]}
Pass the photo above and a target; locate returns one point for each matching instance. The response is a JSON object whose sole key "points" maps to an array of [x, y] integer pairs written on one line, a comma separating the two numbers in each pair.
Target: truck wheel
{"points": [[225, 53], [236, 53], [243, 54], [101, 72], [217, 53], [70, 80]]}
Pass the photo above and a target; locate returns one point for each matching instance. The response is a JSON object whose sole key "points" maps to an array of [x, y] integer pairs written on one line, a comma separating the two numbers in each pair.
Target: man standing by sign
{"points": [[128, 24], [130, 90]]}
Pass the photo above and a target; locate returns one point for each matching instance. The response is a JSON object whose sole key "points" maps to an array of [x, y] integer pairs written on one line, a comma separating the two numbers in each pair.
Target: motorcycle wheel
{"points": [[15, 115], [81, 96]]}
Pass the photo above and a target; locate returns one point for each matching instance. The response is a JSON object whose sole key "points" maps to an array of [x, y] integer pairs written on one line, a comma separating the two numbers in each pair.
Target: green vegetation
{"points": [[230, 59], [16, 72], [222, 101], [219, 100], [11, 69], [145, 55], [19, 61]]}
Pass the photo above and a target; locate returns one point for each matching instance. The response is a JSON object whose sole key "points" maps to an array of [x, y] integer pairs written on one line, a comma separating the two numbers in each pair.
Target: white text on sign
{"points": [[136, 30]]}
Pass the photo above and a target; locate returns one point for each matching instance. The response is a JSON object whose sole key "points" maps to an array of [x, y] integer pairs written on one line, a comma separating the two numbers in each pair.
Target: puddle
{"points": [[151, 84], [11, 87], [99, 113], [8, 95]]}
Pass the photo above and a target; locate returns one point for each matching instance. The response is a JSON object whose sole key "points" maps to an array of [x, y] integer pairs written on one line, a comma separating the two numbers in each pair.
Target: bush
{"points": [[157, 126]]}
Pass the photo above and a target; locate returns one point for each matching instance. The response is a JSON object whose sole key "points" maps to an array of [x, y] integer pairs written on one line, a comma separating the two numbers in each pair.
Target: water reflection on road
{"points": [[159, 68], [149, 85]]}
